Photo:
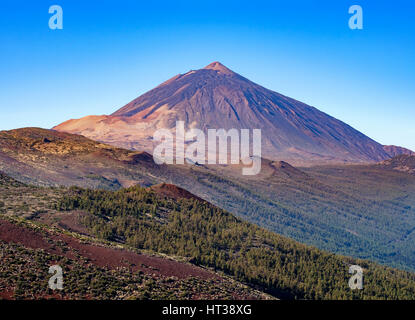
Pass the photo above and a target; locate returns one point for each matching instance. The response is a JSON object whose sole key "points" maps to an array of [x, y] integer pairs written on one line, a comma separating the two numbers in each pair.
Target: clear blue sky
{"points": [[110, 52]]}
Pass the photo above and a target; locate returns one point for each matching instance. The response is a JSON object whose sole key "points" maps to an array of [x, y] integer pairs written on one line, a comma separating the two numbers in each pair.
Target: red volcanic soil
{"points": [[174, 192], [138, 157], [10, 232], [7, 294], [111, 258]]}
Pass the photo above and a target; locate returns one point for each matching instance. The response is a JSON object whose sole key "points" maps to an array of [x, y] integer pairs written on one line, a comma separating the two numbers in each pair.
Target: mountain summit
{"points": [[217, 66], [216, 97]]}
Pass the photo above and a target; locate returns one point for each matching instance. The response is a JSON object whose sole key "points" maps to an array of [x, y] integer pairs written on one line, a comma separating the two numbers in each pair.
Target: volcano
{"points": [[215, 97]]}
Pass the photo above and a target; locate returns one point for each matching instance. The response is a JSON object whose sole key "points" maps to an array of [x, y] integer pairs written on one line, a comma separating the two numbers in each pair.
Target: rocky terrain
{"points": [[402, 163]]}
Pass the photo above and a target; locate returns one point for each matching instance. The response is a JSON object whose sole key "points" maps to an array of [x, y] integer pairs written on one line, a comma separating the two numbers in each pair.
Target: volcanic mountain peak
{"points": [[215, 97], [217, 66]]}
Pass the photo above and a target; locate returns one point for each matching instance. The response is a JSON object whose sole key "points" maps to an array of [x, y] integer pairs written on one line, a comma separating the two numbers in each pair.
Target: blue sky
{"points": [[110, 52]]}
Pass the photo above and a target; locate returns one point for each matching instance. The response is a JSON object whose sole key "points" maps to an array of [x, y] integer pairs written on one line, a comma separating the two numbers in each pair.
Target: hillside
{"points": [[34, 236], [364, 211], [138, 244], [47, 157], [394, 151], [216, 97]]}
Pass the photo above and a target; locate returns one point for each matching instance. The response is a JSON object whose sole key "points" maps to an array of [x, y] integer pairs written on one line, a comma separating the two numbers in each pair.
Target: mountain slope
{"points": [[216, 97], [47, 157], [364, 211], [139, 244], [394, 151], [35, 236]]}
